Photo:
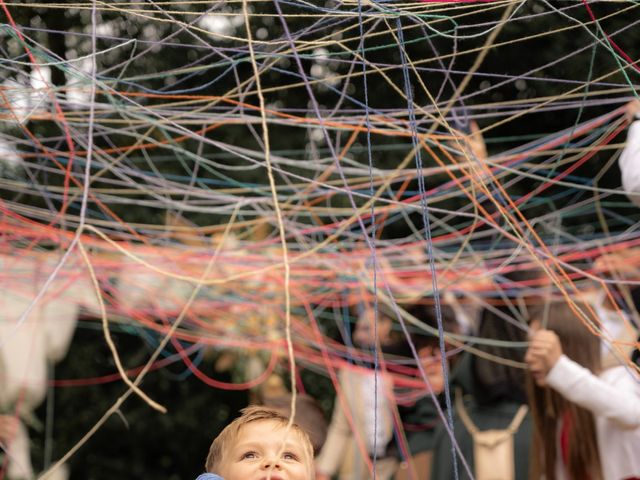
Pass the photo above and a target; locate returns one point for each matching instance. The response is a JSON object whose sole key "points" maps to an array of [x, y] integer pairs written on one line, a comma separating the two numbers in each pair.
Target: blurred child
{"points": [[361, 427], [586, 420]]}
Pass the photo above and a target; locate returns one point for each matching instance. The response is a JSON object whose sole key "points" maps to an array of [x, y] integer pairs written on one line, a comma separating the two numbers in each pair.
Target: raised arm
{"points": [[615, 395]]}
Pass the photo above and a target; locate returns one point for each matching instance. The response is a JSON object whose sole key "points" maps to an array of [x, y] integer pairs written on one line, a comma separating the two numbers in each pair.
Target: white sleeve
{"points": [[630, 163], [615, 398]]}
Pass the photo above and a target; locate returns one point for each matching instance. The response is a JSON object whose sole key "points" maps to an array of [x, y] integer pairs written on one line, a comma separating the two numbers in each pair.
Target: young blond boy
{"points": [[258, 446]]}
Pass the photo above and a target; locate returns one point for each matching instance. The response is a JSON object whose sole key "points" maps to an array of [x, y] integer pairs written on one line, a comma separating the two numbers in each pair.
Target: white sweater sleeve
{"points": [[630, 163], [615, 398]]}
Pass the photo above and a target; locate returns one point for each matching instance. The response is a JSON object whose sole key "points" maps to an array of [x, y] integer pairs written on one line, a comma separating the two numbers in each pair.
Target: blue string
{"points": [[184, 90], [153, 342], [373, 241], [427, 230]]}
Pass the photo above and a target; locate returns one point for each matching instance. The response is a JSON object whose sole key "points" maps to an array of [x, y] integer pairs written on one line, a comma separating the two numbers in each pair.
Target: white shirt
{"points": [[616, 326], [614, 399], [376, 406]]}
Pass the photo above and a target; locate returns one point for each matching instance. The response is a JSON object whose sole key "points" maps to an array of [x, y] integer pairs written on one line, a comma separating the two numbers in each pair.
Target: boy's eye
{"points": [[249, 455], [289, 456]]}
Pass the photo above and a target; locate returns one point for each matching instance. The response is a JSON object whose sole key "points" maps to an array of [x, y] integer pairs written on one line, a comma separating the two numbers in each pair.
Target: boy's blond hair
{"points": [[222, 443]]}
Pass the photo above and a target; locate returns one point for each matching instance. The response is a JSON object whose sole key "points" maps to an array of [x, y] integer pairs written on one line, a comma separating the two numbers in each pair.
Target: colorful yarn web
{"points": [[243, 174]]}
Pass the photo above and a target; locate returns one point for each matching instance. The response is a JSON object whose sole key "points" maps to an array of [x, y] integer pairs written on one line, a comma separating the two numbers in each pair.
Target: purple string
{"points": [[427, 230]]}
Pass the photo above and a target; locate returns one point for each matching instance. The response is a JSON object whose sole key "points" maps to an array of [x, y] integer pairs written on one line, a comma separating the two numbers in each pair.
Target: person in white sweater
{"points": [[586, 420], [629, 161]]}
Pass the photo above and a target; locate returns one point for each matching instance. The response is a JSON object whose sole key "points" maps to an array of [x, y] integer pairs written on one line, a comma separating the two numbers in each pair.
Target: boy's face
{"points": [[258, 454]]}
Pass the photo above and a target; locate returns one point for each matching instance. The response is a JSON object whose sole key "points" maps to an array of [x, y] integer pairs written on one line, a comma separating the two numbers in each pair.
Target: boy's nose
{"points": [[271, 462]]}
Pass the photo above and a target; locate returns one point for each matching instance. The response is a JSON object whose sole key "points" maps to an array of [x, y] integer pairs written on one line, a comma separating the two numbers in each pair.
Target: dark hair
{"points": [[494, 381], [425, 311], [549, 407]]}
